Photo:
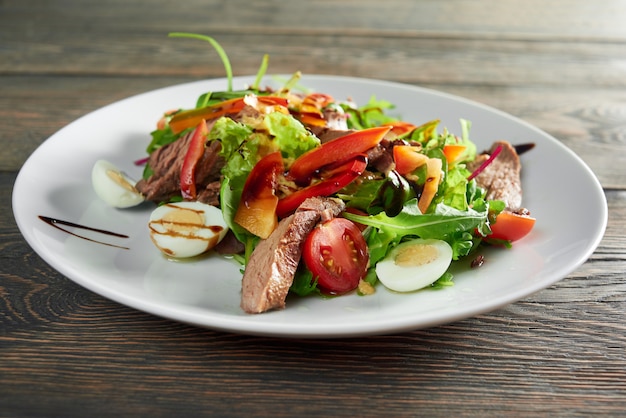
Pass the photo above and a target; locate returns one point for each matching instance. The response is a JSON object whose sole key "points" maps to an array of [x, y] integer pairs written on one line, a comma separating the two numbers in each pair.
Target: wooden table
{"points": [[559, 65]]}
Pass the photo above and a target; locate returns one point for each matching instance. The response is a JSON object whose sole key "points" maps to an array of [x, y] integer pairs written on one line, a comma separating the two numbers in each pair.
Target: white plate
{"points": [[55, 182]]}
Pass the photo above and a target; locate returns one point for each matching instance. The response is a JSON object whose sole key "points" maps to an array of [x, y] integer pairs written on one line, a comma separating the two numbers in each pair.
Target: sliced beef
{"points": [[326, 134], [501, 178], [381, 156], [166, 163], [210, 194], [273, 263]]}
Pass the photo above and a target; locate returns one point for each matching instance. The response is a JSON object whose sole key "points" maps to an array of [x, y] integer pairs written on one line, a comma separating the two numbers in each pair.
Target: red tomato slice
{"points": [[337, 150], [400, 127], [511, 226], [336, 253]]}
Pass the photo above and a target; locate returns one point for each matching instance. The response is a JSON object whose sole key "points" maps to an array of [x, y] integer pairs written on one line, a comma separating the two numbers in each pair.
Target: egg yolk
{"points": [[182, 220], [416, 255], [117, 177]]}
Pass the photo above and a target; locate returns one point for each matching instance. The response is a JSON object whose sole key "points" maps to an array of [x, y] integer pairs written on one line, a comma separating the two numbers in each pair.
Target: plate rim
{"points": [[235, 324]]}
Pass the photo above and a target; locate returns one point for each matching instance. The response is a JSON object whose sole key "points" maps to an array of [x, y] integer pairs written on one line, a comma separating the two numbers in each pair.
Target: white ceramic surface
{"points": [[560, 190]]}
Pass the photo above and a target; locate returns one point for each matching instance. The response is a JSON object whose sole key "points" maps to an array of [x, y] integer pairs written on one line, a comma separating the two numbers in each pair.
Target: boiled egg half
{"points": [[414, 264], [113, 186], [186, 229]]}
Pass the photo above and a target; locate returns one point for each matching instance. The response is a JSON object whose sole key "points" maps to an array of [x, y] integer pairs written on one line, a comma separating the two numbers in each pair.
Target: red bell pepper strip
{"points": [[310, 119], [337, 150], [401, 128], [193, 155], [334, 180], [189, 118]]}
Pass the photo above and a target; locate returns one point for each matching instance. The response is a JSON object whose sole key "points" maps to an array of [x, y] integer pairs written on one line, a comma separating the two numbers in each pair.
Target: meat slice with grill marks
{"points": [[501, 178], [273, 263], [166, 163]]}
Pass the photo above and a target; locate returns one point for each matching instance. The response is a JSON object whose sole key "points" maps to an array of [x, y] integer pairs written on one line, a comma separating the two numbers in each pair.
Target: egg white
{"points": [[414, 264], [113, 186], [186, 229]]}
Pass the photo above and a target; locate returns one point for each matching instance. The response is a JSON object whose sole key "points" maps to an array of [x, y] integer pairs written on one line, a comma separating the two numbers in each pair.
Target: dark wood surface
{"points": [[560, 65]]}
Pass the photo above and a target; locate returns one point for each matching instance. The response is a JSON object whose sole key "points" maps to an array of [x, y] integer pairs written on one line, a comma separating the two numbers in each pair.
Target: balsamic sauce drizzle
{"points": [[56, 222], [522, 148]]}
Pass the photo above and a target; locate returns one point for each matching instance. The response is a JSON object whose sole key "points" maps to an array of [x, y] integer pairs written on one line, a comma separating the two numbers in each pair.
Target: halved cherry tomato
{"points": [[407, 158], [337, 150], [257, 208], [332, 181], [193, 155], [511, 226], [336, 253], [188, 118]]}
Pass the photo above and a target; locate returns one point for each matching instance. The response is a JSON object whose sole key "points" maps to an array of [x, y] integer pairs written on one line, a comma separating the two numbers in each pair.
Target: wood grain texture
{"points": [[65, 351]]}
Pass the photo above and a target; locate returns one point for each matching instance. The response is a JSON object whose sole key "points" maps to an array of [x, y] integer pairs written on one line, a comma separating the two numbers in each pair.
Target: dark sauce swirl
{"points": [[56, 223]]}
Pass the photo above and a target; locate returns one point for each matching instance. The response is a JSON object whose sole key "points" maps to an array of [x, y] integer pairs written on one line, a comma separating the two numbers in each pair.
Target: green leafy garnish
{"points": [[218, 48]]}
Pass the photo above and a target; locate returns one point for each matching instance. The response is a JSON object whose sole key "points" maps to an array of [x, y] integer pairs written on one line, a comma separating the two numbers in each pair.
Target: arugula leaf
{"points": [[372, 114], [379, 242], [162, 137], [446, 223], [444, 281], [303, 283]]}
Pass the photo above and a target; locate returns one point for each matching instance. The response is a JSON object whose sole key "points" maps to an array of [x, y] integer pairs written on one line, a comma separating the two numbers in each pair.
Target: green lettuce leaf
{"points": [[446, 223], [289, 135]]}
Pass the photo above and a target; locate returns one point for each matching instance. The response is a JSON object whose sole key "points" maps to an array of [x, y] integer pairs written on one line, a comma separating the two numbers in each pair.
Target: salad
{"points": [[315, 194]]}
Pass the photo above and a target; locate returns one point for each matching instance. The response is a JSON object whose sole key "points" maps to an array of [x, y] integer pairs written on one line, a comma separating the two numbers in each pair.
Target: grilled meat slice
{"points": [[166, 163], [273, 263], [501, 178]]}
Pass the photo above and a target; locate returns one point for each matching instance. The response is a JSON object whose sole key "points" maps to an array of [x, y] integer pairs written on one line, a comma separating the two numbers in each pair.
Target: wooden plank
{"points": [[407, 59], [560, 352], [529, 19], [57, 336]]}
